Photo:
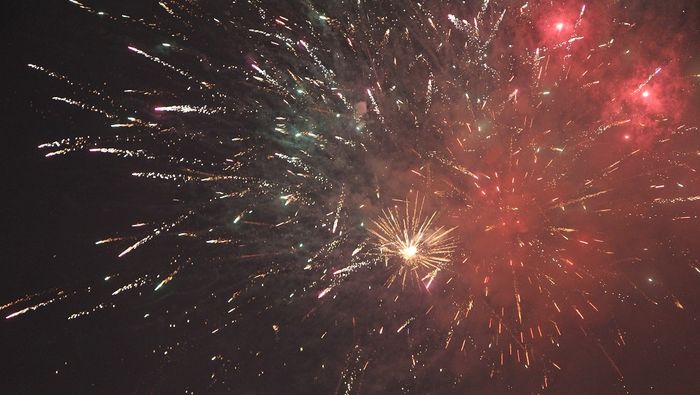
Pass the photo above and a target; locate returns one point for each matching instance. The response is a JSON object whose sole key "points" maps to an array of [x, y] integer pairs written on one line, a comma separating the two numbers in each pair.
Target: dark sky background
{"points": [[54, 210]]}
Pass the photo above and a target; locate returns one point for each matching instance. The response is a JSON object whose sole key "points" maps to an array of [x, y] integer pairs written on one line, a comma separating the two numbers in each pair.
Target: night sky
{"points": [[351, 197]]}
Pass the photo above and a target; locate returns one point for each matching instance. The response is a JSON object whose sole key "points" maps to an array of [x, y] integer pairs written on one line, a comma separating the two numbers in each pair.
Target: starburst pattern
{"points": [[411, 238]]}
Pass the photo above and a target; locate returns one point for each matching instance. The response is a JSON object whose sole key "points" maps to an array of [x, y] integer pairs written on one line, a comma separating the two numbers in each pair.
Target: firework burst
{"points": [[552, 140], [410, 238]]}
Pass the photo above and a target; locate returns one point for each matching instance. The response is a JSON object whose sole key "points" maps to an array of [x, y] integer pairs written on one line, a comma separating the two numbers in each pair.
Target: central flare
{"points": [[409, 252]]}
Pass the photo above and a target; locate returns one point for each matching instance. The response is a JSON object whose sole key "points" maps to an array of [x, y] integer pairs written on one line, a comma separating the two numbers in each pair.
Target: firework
{"points": [[411, 238], [554, 141]]}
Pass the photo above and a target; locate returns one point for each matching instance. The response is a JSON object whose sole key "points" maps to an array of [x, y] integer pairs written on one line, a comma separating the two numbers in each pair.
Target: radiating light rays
{"points": [[412, 243]]}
